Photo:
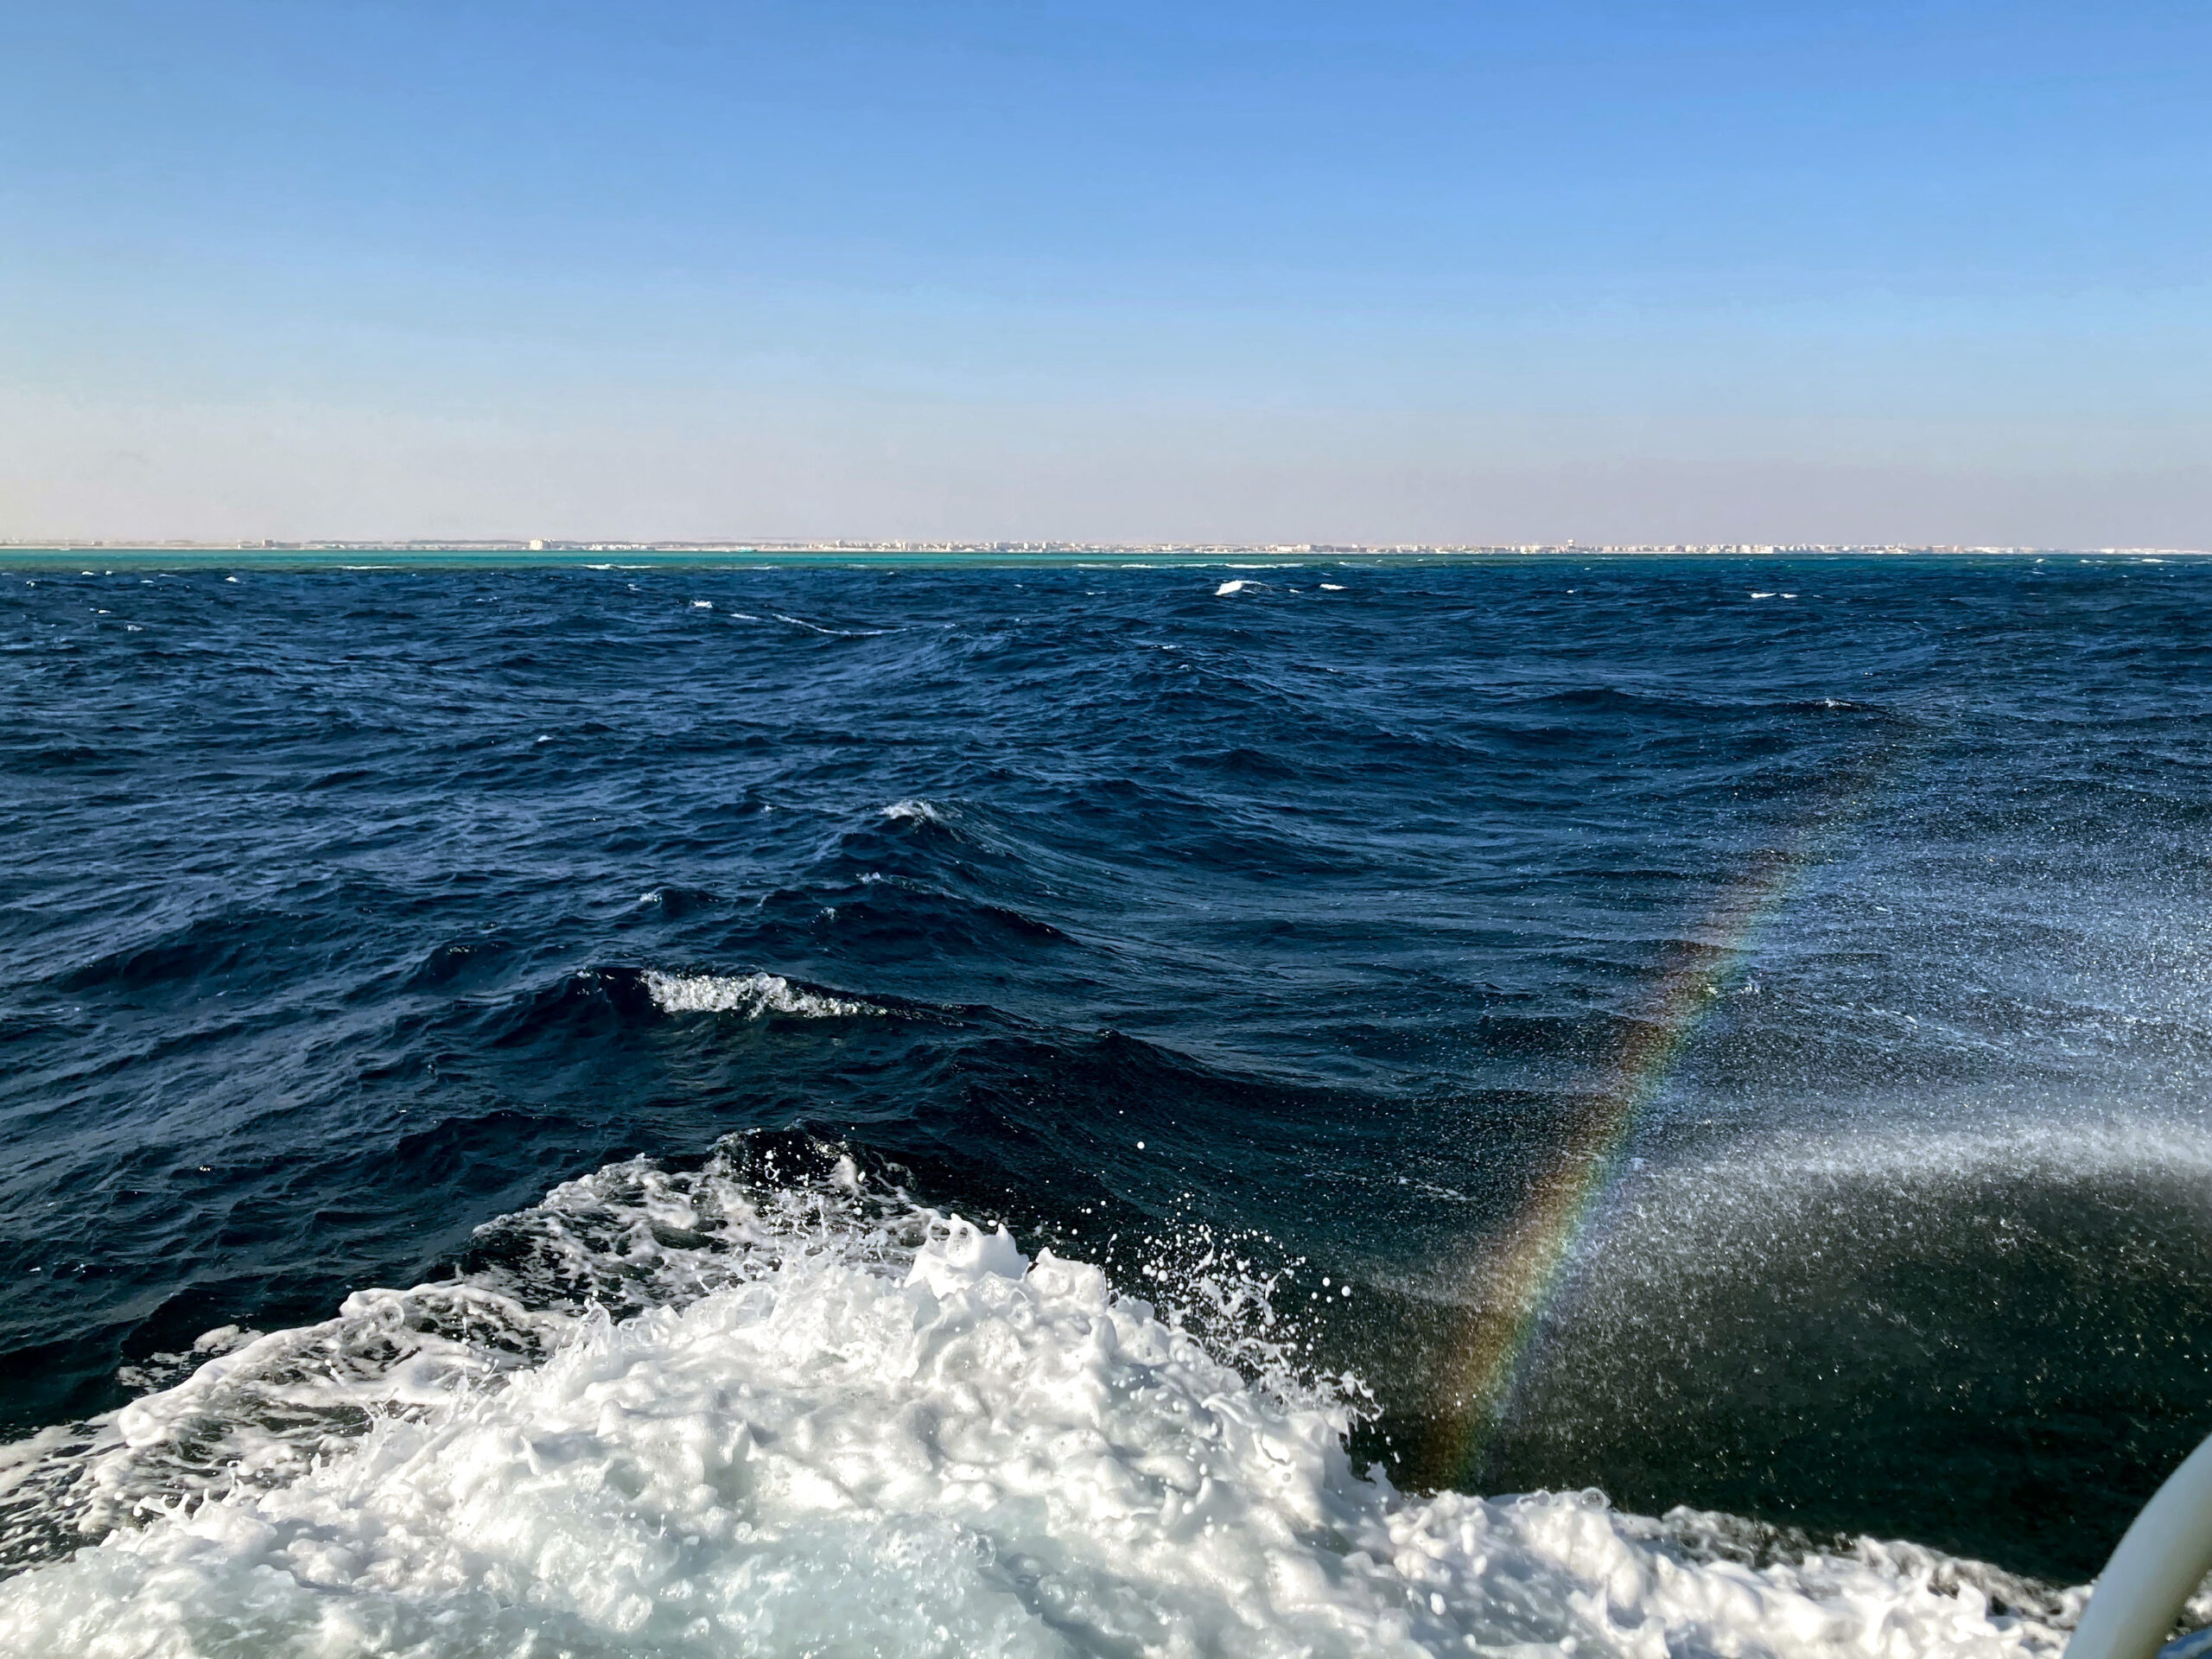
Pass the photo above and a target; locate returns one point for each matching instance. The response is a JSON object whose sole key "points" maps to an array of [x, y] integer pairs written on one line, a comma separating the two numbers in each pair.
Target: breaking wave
{"points": [[751, 995]]}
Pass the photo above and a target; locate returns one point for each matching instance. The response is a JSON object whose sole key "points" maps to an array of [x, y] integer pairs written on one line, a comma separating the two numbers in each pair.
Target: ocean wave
{"points": [[842, 633], [778, 1407], [751, 995], [919, 811]]}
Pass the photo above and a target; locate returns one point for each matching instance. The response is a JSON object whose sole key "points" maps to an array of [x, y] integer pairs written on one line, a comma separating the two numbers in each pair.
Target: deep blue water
{"points": [[330, 904]]}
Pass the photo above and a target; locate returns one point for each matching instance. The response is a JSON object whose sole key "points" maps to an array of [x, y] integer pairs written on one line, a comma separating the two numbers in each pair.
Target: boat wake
{"points": [[773, 1406]]}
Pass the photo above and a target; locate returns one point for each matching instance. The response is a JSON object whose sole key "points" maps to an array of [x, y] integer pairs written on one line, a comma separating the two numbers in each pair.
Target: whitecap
{"points": [[842, 633], [919, 811], [1233, 587], [751, 995]]}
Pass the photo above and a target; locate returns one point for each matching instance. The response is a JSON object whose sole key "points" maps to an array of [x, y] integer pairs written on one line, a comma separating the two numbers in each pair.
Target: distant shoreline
{"points": [[646, 554]]}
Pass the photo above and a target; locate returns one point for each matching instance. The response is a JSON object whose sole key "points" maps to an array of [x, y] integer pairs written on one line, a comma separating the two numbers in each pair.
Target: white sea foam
{"points": [[1233, 587], [834, 1423], [919, 811], [751, 995], [842, 633]]}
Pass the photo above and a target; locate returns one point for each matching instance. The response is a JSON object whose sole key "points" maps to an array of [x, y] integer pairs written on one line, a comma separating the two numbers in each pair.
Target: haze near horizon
{"points": [[1918, 273]]}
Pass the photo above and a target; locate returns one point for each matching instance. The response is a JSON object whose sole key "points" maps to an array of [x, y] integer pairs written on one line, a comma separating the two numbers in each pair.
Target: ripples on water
{"points": [[1169, 919]]}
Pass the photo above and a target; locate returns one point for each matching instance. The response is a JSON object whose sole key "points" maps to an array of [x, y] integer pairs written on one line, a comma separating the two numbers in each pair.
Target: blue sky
{"points": [[1922, 272]]}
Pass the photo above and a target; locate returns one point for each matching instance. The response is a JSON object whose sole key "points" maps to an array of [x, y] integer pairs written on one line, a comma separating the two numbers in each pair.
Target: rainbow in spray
{"points": [[1522, 1266]]}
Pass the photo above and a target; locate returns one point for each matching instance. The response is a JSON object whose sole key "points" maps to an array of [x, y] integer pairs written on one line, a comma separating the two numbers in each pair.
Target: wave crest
{"points": [[751, 995]]}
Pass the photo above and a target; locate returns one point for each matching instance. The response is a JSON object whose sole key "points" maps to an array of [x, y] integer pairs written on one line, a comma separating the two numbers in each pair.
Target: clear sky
{"points": [[1379, 271]]}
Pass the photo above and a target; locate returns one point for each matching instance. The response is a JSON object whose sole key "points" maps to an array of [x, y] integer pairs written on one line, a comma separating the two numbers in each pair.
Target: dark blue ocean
{"points": [[1283, 912]]}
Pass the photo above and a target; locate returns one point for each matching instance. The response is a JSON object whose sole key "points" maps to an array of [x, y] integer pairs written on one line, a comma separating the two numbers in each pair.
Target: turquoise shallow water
{"points": [[346, 911]]}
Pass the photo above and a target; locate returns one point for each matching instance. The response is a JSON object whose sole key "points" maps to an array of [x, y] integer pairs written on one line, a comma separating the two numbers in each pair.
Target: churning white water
{"points": [[700, 1414]]}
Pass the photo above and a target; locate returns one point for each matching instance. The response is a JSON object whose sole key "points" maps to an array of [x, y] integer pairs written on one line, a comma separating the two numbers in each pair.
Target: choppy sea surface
{"points": [[695, 1110]]}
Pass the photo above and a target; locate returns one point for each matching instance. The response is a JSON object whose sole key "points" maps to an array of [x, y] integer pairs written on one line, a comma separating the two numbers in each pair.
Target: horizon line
{"points": [[528, 545]]}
